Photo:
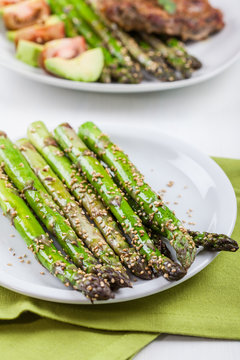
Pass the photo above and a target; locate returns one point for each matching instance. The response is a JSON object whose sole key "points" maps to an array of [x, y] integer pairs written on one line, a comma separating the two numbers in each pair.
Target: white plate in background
{"points": [[216, 53]]}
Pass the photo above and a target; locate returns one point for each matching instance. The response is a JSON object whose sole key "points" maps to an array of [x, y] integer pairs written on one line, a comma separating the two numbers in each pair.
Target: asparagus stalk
{"points": [[100, 179], [69, 27], [84, 193], [83, 228], [180, 50], [42, 246], [19, 171], [214, 242], [92, 19], [132, 181], [177, 59], [209, 241], [158, 69]]}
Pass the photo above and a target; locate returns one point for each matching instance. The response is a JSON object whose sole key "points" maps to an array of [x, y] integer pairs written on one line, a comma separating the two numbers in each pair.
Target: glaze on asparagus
{"points": [[20, 173], [85, 194], [83, 228], [85, 160], [161, 218], [42, 246]]}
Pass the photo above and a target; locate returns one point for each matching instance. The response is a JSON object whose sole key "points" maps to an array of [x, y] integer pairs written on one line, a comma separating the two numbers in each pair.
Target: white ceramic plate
{"points": [[199, 184], [216, 53]]}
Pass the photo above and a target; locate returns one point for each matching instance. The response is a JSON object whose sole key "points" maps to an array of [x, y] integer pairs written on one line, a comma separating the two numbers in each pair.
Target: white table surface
{"points": [[205, 115]]}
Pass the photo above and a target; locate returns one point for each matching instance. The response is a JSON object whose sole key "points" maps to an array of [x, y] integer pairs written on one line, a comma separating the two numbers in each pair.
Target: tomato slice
{"points": [[25, 13], [67, 48], [41, 33]]}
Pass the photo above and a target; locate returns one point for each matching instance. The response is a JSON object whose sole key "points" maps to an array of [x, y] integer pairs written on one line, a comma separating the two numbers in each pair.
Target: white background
{"points": [[205, 115]]}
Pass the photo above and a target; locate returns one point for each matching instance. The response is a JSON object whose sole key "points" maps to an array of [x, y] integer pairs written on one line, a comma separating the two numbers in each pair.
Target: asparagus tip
{"points": [[173, 271], [168, 268], [140, 268], [116, 278], [224, 243], [214, 242], [94, 288]]}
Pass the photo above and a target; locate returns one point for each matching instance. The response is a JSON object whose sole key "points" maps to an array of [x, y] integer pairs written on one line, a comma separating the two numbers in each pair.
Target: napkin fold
{"points": [[206, 305]]}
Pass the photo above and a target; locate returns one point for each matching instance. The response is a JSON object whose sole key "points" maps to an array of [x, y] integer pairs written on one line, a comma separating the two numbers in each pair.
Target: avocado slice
{"points": [[29, 52], [86, 67]]}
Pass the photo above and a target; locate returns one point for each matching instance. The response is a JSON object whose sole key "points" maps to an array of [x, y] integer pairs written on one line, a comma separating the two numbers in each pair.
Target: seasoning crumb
{"points": [[9, 264], [185, 187], [28, 262], [10, 249], [170, 183], [191, 223], [42, 272], [179, 196], [175, 203], [12, 235]]}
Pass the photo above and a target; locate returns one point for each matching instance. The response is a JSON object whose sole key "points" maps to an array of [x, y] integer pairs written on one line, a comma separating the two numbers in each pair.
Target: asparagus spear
{"points": [[214, 242], [69, 27], [176, 59], [19, 171], [83, 228], [158, 69], [132, 181], [92, 19], [209, 241], [180, 49], [113, 198], [43, 248], [84, 193]]}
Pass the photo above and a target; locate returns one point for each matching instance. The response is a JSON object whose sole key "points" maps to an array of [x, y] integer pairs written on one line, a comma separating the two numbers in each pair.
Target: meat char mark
{"points": [[192, 20]]}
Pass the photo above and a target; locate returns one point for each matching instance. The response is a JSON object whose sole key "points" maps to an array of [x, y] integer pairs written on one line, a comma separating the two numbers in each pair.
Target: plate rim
{"points": [[73, 297], [150, 87]]}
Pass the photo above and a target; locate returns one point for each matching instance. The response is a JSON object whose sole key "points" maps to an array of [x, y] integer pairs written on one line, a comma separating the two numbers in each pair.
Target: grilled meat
{"points": [[191, 20]]}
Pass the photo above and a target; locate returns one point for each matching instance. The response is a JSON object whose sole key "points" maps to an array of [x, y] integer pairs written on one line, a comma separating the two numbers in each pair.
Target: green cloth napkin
{"points": [[206, 305]]}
